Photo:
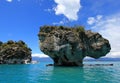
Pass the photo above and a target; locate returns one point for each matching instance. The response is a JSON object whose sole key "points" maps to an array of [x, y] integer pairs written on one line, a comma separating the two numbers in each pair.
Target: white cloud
{"points": [[58, 23], [63, 21], [98, 17], [93, 20], [12, 0], [114, 54], [109, 27], [39, 55], [48, 10], [9, 0], [69, 8]]}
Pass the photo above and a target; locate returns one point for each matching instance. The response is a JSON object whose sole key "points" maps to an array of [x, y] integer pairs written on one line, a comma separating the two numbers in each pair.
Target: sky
{"points": [[21, 19]]}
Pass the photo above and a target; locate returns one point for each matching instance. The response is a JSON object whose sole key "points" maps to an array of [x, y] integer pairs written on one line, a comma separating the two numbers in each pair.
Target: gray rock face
{"points": [[69, 46], [14, 53]]}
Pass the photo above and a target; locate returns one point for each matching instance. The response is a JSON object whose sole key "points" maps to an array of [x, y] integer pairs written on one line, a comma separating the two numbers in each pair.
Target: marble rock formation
{"points": [[14, 53], [68, 46]]}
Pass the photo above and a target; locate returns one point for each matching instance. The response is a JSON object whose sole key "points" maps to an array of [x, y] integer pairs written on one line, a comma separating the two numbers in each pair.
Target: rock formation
{"points": [[69, 46], [14, 53]]}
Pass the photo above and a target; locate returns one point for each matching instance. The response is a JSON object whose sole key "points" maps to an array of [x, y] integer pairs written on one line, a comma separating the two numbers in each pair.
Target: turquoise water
{"points": [[39, 73]]}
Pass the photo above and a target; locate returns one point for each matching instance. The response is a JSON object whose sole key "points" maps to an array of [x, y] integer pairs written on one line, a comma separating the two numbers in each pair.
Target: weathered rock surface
{"points": [[14, 53], [69, 46]]}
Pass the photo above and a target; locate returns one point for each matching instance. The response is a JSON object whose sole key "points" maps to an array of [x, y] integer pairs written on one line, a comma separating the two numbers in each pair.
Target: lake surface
{"points": [[40, 73]]}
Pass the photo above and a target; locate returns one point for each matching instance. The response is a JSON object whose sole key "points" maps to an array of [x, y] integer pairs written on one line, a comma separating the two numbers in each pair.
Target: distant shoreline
{"points": [[47, 59]]}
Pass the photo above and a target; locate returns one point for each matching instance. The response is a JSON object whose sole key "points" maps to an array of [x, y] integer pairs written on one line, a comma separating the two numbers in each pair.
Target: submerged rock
{"points": [[69, 46], [14, 53]]}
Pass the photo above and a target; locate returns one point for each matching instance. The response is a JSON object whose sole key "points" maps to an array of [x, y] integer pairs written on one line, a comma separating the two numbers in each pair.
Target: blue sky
{"points": [[21, 19]]}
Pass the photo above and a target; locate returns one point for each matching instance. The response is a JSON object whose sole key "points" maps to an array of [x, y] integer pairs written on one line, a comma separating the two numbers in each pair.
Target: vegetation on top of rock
{"points": [[12, 52], [48, 29], [80, 29]]}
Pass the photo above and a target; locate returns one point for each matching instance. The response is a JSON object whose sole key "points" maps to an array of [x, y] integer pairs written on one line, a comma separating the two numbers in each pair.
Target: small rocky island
{"points": [[68, 46], [13, 52]]}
